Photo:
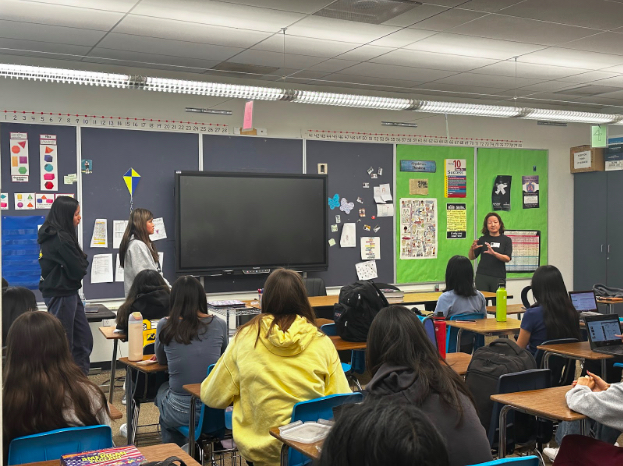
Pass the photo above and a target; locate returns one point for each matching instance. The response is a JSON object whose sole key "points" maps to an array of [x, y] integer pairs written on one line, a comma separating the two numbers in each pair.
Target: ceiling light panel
{"points": [[65, 76], [233, 91], [468, 109], [569, 116], [350, 100]]}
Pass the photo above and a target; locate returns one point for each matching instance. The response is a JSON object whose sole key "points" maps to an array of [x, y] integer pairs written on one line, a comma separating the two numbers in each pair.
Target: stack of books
{"points": [[394, 296], [120, 456]]}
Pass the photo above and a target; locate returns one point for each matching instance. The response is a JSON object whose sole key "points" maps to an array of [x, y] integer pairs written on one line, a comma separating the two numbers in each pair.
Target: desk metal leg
{"points": [[458, 341], [502, 436], [191, 428], [129, 405], [584, 426], [113, 370], [284, 455], [603, 368], [546, 357]]}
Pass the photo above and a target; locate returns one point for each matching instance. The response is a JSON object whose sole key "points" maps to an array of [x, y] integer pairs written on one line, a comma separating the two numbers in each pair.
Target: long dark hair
{"points": [[145, 281], [16, 300], [485, 230], [397, 337], [460, 276], [137, 227], [187, 298], [560, 317], [61, 217], [41, 379], [284, 298], [380, 432]]}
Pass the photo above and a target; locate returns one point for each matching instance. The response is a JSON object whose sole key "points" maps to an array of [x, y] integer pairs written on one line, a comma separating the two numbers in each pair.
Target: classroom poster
{"points": [[418, 187], [530, 191], [99, 239], [455, 178], [501, 194], [370, 248], [24, 201], [526, 250], [366, 270], [44, 201], [456, 215], [418, 228], [4, 201], [19, 157], [48, 161]]}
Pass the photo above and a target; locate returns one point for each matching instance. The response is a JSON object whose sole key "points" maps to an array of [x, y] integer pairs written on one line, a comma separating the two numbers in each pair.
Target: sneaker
{"points": [[123, 430], [123, 400], [550, 453]]}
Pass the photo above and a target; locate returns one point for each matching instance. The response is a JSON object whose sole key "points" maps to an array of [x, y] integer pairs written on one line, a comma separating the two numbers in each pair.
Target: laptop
{"points": [[601, 334], [584, 301]]}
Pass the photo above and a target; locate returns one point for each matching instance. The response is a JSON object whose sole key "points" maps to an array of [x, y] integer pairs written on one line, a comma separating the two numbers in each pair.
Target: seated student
{"points": [[189, 341], [276, 360], [16, 300], [383, 432], [149, 295], [405, 367], [43, 387], [553, 316], [460, 295]]}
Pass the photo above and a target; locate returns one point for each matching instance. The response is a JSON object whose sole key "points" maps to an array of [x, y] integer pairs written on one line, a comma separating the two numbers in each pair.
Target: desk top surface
{"points": [[459, 362], [548, 402], [152, 453], [115, 414], [343, 345], [308, 449], [102, 313], [193, 388], [487, 326], [510, 309], [147, 368], [409, 298], [109, 333], [580, 350]]}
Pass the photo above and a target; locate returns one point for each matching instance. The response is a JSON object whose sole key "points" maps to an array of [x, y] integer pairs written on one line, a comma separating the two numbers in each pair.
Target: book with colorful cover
{"points": [[119, 456]]}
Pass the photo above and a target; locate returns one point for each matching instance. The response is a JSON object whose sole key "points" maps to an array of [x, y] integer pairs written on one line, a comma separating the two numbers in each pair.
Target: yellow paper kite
{"points": [[131, 179]]}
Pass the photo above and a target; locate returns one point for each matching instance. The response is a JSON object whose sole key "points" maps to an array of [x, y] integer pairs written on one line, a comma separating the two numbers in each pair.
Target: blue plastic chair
{"points": [[522, 461], [357, 358], [563, 369], [56, 443], [429, 326], [312, 410], [452, 332]]}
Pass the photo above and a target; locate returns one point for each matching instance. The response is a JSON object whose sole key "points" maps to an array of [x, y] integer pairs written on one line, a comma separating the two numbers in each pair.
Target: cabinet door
{"points": [[615, 229], [589, 229]]}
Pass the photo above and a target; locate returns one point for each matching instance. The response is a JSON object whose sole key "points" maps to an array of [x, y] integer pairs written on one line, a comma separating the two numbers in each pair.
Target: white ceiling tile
{"points": [[547, 86], [572, 58], [455, 44], [452, 89], [218, 14], [615, 81], [304, 46], [436, 61], [605, 42], [299, 6], [133, 64], [523, 30], [365, 52], [143, 58], [415, 15], [264, 58], [47, 33], [396, 72], [167, 47], [60, 60], [591, 76], [371, 80], [599, 14], [529, 70], [332, 65], [497, 82], [402, 37], [35, 46], [306, 75], [58, 15], [340, 30], [122, 6], [449, 19], [188, 31], [490, 6]]}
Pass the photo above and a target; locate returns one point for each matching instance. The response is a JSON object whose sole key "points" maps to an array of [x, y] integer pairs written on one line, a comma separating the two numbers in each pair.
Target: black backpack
{"points": [[358, 305], [488, 363]]}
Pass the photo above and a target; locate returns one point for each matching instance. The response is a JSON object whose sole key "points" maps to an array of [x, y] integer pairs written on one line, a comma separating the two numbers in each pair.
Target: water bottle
{"points": [[135, 337], [439, 322], [500, 302]]}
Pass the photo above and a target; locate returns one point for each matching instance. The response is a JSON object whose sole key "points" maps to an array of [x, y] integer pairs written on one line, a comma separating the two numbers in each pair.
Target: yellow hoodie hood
{"points": [[290, 343]]}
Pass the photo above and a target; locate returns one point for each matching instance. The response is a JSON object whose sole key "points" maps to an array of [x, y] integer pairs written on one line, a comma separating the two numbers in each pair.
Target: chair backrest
{"points": [[533, 379], [563, 369], [315, 286], [429, 326], [318, 408], [452, 332], [524, 297], [56, 443], [211, 420], [522, 461], [328, 329], [149, 336]]}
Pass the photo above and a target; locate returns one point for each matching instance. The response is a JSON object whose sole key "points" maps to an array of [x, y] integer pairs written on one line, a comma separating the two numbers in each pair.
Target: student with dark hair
{"points": [[275, 360], [43, 387], [553, 316], [149, 295], [5, 284], [383, 432], [495, 250], [136, 251], [460, 295], [189, 341], [406, 368], [63, 264], [16, 300]]}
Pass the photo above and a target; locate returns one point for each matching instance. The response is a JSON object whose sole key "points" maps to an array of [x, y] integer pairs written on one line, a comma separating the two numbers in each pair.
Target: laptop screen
{"points": [[602, 331], [583, 301]]}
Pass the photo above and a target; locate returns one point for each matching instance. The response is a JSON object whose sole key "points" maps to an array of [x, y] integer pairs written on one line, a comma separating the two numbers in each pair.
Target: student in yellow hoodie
{"points": [[276, 360]]}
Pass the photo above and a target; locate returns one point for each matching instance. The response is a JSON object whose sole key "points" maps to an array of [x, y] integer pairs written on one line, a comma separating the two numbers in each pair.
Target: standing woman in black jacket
{"points": [[63, 264]]}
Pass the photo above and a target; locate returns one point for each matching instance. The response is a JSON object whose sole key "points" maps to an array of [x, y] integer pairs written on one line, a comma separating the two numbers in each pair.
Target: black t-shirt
{"points": [[488, 264]]}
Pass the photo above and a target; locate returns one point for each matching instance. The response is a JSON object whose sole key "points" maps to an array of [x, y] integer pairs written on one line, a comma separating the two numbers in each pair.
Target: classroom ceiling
{"points": [[541, 53]]}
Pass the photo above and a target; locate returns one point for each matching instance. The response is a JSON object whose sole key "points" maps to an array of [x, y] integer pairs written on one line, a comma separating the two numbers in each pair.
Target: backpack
{"points": [[488, 363], [358, 305]]}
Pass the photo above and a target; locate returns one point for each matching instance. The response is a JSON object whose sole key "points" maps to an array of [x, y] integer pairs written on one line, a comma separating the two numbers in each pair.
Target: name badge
{"points": [[495, 245]]}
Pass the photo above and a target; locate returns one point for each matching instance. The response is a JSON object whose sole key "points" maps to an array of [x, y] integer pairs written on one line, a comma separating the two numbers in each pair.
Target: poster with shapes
{"points": [[24, 201], [456, 178], [19, 157], [385, 210], [386, 192], [349, 236], [99, 239], [49, 165], [418, 187], [119, 276], [44, 201], [418, 228], [456, 215], [530, 189], [101, 268], [4, 201], [366, 270], [501, 193], [159, 230], [118, 229], [370, 248]]}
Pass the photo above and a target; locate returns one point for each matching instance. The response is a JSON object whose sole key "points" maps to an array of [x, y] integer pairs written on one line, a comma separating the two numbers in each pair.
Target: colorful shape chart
{"points": [[19, 157], [25, 201], [49, 164], [4, 201], [44, 201]]}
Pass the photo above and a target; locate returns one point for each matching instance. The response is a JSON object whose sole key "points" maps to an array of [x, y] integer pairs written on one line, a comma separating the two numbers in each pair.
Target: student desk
{"points": [[548, 403], [430, 297], [109, 334], [577, 351], [115, 414], [146, 369], [486, 327], [609, 302], [310, 450], [511, 309], [101, 312], [152, 453]]}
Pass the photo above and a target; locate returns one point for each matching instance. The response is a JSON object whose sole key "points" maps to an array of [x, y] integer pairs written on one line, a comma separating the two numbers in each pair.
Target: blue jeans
{"points": [[595, 430], [174, 412], [70, 311]]}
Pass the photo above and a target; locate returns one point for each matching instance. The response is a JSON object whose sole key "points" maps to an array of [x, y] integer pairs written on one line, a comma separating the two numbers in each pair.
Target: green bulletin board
{"points": [[517, 163], [429, 270]]}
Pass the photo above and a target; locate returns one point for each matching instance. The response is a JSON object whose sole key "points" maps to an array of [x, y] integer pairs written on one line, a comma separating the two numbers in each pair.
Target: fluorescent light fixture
{"points": [[455, 108], [569, 116], [399, 123], [550, 123], [351, 100], [235, 91], [65, 76], [208, 110]]}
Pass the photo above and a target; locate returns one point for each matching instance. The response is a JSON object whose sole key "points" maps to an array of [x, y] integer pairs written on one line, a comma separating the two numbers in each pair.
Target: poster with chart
{"points": [[49, 164], [418, 228], [19, 157], [526, 250]]}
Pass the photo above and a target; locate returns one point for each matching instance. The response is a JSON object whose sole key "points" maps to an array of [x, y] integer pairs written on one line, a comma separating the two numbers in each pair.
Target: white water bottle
{"points": [[135, 337]]}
